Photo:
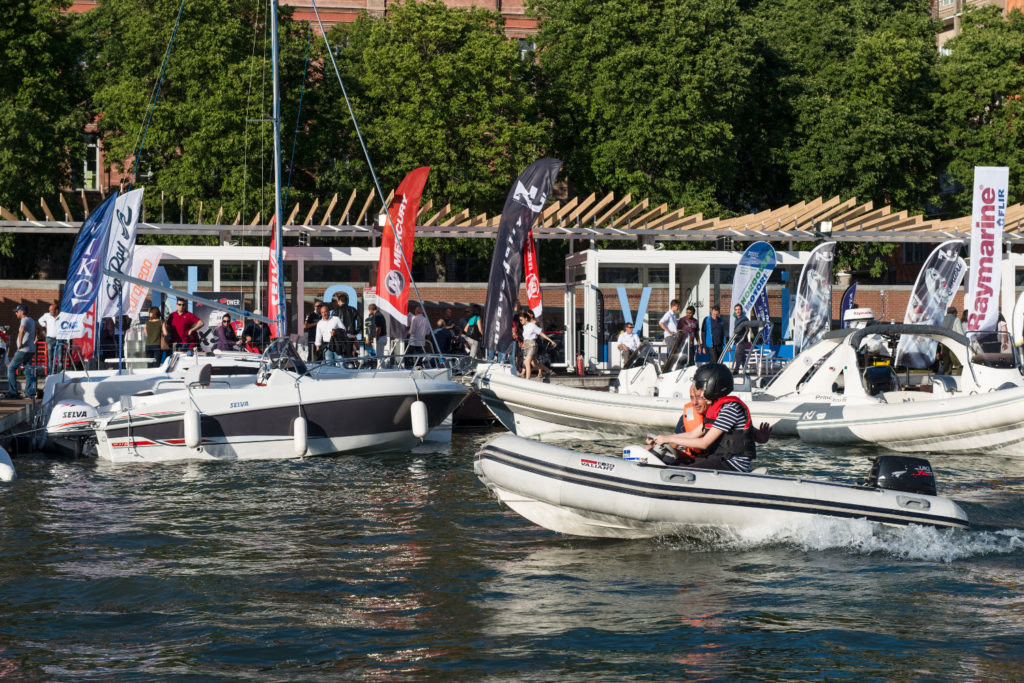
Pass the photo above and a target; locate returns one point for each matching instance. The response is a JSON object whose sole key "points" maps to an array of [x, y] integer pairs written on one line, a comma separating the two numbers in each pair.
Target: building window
{"points": [[87, 172], [946, 3], [526, 49], [916, 252]]}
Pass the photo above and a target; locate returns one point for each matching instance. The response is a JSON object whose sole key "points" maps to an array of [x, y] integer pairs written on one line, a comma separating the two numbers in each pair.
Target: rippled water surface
{"points": [[404, 567]]}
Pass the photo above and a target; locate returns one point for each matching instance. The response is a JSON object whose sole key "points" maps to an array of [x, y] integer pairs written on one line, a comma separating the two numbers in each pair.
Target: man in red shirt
{"points": [[182, 327]]}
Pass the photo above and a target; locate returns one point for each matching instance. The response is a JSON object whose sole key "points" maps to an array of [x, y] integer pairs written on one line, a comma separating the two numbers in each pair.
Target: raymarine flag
{"points": [[752, 273], [393, 277], [85, 274], [120, 247], [987, 220], [812, 315], [940, 277], [524, 202]]}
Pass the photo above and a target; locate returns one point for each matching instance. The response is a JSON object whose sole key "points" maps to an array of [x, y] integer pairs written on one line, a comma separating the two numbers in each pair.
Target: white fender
{"points": [[193, 434], [418, 412], [301, 439], [6, 466]]}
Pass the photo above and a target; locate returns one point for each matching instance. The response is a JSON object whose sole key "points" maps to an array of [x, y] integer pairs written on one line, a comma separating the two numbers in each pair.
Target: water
{"points": [[404, 567]]}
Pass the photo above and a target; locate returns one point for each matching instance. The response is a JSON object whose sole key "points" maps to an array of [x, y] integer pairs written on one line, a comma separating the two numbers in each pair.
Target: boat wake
{"points": [[858, 537]]}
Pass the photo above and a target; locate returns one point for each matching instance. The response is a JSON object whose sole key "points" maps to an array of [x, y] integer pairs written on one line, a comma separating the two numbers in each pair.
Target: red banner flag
{"points": [[533, 296], [273, 272], [393, 276]]}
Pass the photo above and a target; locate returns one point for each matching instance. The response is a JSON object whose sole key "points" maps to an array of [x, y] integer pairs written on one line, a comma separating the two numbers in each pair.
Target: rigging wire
{"points": [[298, 119], [156, 94], [369, 162]]}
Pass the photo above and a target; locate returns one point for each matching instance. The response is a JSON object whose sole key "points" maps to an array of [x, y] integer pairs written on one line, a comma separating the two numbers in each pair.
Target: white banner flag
{"points": [[144, 263], [120, 248], [987, 219]]}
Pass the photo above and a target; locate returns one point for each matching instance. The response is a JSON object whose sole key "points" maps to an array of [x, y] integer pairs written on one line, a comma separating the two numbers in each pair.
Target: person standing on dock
{"points": [[24, 347], [48, 321], [668, 322], [182, 327], [310, 327], [689, 333], [712, 334]]}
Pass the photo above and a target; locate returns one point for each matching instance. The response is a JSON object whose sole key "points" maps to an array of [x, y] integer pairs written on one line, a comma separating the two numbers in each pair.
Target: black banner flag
{"points": [[524, 202]]}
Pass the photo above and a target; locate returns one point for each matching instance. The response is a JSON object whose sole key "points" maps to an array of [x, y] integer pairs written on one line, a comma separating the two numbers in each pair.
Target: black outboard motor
{"points": [[902, 473]]}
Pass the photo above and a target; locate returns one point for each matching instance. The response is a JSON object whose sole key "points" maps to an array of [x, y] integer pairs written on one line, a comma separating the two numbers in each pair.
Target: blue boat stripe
{"points": [[712, 496]]}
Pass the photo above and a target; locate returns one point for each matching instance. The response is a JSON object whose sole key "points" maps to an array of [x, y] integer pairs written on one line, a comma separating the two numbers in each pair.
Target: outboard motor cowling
{"points": [[71, 418], [902, 473]]}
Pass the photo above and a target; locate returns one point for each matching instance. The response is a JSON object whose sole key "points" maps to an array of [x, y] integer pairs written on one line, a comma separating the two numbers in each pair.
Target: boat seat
{"points": [[879, 379], [944, 384]]}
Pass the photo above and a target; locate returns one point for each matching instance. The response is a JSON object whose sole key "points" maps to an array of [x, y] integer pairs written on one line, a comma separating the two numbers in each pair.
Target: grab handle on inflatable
{"points": [[678, 477]]}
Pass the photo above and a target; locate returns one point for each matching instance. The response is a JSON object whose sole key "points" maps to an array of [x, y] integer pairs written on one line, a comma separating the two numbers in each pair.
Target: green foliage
{"points": [[41, 120], [646, 97], [980, 102], [209, 138]]}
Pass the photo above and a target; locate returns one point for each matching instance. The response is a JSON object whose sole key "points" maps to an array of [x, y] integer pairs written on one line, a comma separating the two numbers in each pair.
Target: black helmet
{"points": [[715, 379]]}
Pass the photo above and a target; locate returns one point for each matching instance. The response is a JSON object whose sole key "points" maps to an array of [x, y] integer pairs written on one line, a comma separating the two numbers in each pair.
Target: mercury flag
{"points": [[85, 274], [533, 295], [274, 310], [393, 277], [524, 202], [812, 315], [940, 277], [987, 220], [144, 264], [752, 273], [120, 248]]}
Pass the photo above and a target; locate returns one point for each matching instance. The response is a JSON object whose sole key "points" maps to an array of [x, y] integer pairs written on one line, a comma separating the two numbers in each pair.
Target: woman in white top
{"points": [[531, 330]]}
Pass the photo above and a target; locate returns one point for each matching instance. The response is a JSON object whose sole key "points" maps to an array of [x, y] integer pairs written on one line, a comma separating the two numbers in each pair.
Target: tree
{"points": [[853, 84], [41, 120], [646, 97], [443, 88], [979, 102], [208, 138]]}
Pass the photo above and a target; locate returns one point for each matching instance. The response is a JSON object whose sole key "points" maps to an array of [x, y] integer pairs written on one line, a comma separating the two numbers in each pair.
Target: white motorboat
{"points": [[646, 396], [72, 400], [611, 497], [980, 409], [283, 411]]}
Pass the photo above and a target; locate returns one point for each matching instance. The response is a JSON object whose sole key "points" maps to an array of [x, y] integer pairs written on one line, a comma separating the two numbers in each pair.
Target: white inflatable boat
{"points": [[610, 497]]}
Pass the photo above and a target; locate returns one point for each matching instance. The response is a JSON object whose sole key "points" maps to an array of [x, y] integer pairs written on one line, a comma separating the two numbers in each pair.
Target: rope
{"points": [[369, 162], [156, 94], [298, 118]]}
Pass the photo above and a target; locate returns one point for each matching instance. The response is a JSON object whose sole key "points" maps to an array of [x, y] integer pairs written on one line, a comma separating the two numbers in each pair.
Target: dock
{"points": [[14, 412]]}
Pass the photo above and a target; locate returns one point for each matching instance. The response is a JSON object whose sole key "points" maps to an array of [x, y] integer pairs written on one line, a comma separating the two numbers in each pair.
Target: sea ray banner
{"points": [[120, 249], [987, 221], [145, 261], [85, 273], [940, 277], [533, 295], [847, 304], [752, 273], [812, 314], [762, 312], [524, 202], [396, 247]]}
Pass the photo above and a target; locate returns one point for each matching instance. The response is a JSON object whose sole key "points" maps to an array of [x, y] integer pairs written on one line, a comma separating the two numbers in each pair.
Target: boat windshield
{"points": [[282, 355], [993, 349]]}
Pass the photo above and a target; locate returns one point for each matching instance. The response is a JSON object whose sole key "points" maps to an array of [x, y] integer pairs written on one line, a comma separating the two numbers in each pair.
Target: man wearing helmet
{"points": [[727, 435]]}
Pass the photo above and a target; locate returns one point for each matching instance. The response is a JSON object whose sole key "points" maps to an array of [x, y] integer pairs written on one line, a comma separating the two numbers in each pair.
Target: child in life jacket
{"points": [[715, 431]]}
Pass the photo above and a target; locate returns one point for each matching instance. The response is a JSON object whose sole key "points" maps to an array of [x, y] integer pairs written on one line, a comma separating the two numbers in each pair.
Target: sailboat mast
{"points": [[278, 209]]}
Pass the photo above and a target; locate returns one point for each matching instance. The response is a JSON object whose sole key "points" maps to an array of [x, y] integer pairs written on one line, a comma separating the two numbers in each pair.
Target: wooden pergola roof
{"points": [[604, 217]]}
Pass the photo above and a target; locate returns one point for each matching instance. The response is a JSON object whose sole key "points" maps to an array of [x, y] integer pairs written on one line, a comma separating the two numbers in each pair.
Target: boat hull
{"points": [[366, 417], [600, 496], [991, 422], [540, 410]]}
